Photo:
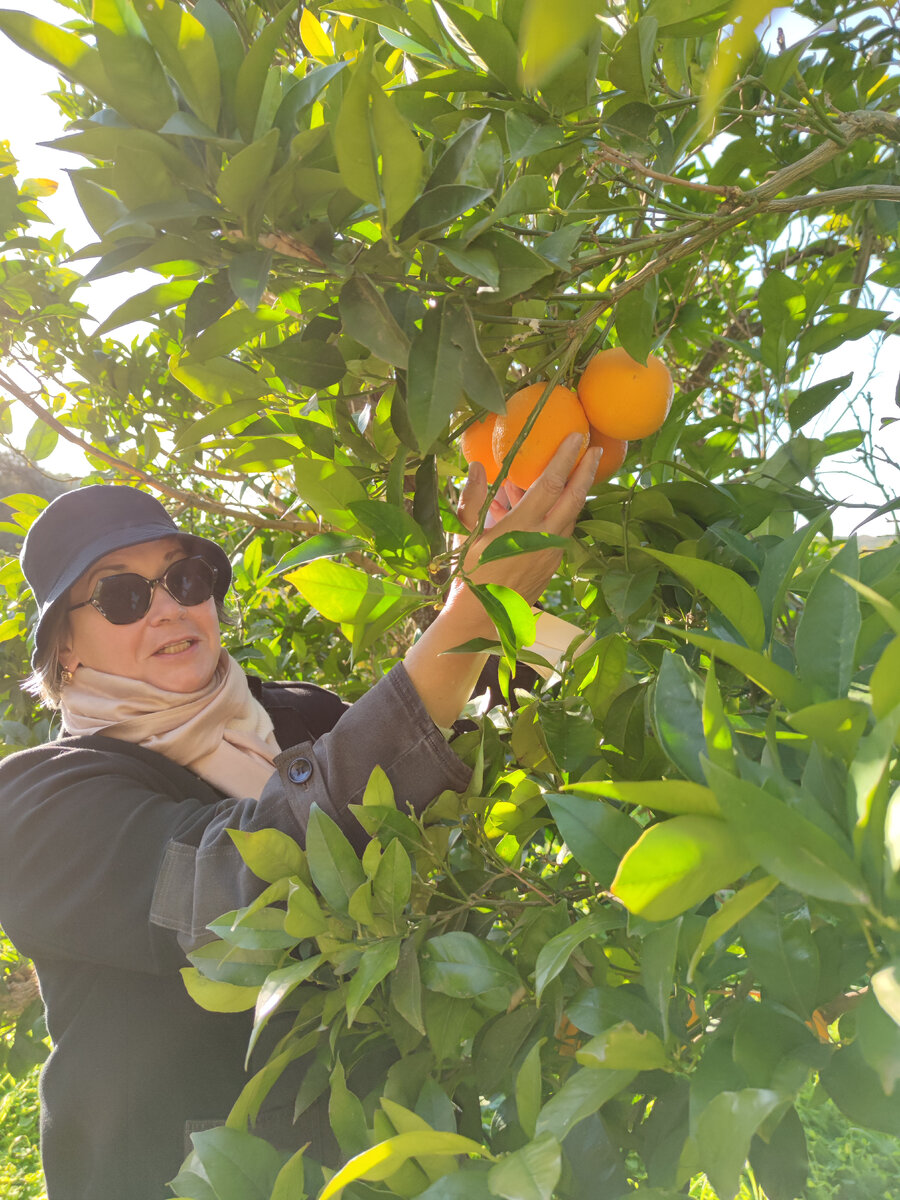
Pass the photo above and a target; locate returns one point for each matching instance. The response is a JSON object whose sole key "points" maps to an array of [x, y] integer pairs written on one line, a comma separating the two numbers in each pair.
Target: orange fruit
{"points": [[622, 398], [476, 445], [614, 451], [561, 415]]}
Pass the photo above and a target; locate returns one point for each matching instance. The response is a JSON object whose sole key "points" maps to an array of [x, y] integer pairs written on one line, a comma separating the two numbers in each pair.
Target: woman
{"points": [[116, 854]]}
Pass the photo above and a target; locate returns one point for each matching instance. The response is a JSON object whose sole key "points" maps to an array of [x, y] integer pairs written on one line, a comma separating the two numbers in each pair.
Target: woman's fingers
{"points": [[561, 489], [473, 496], [562, 516]]}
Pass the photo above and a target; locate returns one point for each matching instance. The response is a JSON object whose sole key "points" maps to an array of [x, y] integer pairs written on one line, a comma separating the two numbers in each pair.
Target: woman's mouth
{"points": [[176, 647]]}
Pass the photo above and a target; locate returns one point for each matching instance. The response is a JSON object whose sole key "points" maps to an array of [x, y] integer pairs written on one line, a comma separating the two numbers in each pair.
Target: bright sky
{"points": [[29, 118]]}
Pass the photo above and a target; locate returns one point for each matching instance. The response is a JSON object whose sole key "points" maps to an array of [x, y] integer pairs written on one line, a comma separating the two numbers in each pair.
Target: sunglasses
{"points": [[124, 599]]}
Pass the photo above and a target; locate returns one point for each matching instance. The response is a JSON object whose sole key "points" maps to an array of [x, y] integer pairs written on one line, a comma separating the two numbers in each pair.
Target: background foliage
{"points": [[669, 900]]}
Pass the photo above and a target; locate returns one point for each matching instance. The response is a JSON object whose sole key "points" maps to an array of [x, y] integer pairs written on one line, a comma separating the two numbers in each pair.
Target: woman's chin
{"points": [[188, 671]]}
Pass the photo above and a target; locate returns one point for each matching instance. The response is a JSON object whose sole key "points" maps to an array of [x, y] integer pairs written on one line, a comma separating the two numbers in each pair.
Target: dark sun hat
{"points": [[79, 527]]}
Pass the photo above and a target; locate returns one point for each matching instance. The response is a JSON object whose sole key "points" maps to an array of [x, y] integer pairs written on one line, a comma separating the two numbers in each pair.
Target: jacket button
{"points": [[300, 770]]}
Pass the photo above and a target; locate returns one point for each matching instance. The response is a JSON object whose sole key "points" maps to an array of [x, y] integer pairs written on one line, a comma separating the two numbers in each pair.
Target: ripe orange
{"points": [[476, 445], [614, 451], [622, 398], [561, 415]]}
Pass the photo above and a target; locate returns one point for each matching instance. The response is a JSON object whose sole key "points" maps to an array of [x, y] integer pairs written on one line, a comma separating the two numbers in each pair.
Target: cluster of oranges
{"points": [[618, 400]]}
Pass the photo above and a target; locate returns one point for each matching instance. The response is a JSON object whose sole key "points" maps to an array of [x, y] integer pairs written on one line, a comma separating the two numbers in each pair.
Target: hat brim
{"points": [[117, 539]]}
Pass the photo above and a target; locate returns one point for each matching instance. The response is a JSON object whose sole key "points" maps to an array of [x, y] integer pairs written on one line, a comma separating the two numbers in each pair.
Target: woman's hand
{"points": [[552, 504]]}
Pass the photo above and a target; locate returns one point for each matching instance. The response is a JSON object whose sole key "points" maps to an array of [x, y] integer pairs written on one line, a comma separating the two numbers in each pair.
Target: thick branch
{"points": [[188, 499]]}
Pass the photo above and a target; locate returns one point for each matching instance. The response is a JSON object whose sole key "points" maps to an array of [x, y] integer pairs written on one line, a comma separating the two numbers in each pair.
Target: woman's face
{"points": [[170, 647]]}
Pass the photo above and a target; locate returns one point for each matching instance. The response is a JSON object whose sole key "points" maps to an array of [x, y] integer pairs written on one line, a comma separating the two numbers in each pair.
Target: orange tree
{"points": [[669, 897]]}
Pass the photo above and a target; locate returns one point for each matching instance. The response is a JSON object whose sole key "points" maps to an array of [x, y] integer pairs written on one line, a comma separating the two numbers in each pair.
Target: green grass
{"points": [[21, 1177]]}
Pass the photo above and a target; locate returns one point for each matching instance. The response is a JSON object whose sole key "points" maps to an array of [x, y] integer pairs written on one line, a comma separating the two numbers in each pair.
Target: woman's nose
{"points": [[163, 606]]}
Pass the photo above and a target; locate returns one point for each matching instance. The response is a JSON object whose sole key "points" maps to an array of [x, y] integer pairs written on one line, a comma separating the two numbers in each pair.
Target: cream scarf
{"points": [[220, 732]]}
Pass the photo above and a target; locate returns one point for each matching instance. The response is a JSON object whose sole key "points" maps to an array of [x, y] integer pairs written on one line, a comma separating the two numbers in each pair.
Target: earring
{"points": [[65, 677]]}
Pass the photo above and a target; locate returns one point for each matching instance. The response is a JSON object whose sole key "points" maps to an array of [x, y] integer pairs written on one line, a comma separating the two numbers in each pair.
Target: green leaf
{"points": [[243, 181], [630, 69], [530, 1173], [491, 41], [528, 1089], [596, 834], [789, 846], [385, 1158], [290, 1179], [677, 863], [392, 884], [309, 364], [233, 330], [254, 70], [778, 569], [856, 1089], [397, 535], [624, 1048], [63, 50], [879, 1041], [237, 1165], [304, 917], [188, 54], [348, 595], [333, 864], [269, 853], [884, 683], [367, 319], [329, 490], [581, 1095], [434, 384], [717, 731], [825, 641], [659, 950], [406, 987], [217, 997], [215, 422], [218, 381], [353, 137], [661, 795], [320, 545], [253, 928], [886, 988], [734, 909], [402, 159], [836, 724], [627, 591], [636, 317], [734, 598], [511, 614], [810, 402], [843, 324], [437, 209], [553, 956], [376, 964], [550, 34], [521, 541], [142, 92], [724, 1131], [157, 299], [678, 716], [459, 964], [41, 441], [248, 274], [763, 671], [888, 612], [276, 989]]}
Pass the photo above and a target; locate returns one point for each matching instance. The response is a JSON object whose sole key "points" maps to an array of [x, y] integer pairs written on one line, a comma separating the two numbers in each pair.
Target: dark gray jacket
{"points": [[113, 860]]}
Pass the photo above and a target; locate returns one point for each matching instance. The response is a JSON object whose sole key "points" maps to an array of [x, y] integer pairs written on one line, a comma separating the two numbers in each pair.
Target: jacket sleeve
{"points": [[103, 863]]}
